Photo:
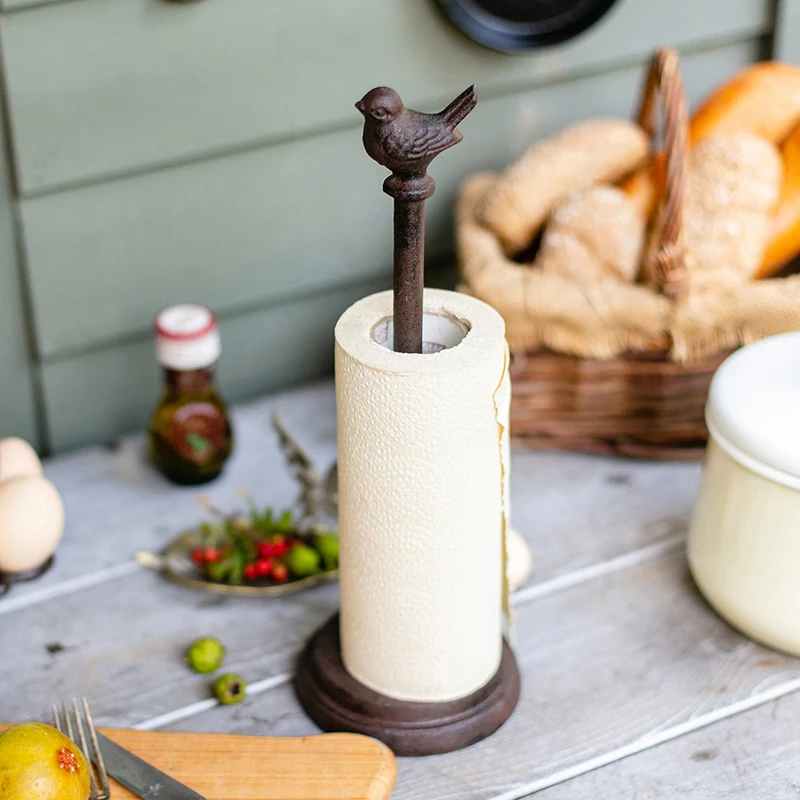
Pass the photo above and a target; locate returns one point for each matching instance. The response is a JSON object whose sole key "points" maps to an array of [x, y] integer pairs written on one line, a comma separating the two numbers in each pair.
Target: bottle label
{"points": [[197, 432]]}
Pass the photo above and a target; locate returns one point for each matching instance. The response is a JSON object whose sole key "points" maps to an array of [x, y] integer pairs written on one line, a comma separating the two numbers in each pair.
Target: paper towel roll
{"points": [[423, 480]]}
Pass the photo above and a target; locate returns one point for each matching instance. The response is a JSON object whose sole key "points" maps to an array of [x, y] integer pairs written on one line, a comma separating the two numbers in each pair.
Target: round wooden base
{"points": [[8, 579], [336, 701]]}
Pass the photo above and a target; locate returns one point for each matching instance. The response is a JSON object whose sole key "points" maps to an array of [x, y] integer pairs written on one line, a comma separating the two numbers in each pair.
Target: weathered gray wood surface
{"points": [[118, 505], [752, 755], [620, 656], [612, 667], [132, 84]]}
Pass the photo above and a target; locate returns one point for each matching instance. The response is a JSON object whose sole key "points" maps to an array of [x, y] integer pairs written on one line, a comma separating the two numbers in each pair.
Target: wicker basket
{"points": [[639, 404]]}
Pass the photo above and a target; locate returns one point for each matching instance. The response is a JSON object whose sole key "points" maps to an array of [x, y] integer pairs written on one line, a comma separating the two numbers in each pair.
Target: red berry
{"points": [[264, 550], [280, 572], [263, 567], [251, 572], [199, 555], [273, 548], [211, 554]]}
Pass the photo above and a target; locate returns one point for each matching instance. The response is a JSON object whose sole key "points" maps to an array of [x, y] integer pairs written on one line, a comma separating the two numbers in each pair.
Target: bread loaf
{"points": [[597, 151], [593, 235], [783, 239], [762, 100], [733, 183]]}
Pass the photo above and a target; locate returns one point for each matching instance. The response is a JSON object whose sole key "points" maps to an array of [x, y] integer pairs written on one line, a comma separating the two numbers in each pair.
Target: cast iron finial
{"points": [[405, 142]]}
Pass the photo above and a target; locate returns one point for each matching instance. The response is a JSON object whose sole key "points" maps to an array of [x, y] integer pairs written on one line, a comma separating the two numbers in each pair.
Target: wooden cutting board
{"points": [[333, 766]]}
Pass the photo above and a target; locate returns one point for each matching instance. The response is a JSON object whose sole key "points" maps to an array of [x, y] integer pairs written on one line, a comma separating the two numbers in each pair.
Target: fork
{"points": [[83, 721]]}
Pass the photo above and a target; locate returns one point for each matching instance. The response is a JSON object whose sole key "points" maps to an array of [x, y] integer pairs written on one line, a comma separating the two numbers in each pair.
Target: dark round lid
{"points": [[515, 26]]}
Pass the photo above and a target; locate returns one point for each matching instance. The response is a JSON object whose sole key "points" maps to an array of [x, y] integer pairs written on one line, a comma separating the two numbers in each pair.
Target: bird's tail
{"points": [[461, 106]]}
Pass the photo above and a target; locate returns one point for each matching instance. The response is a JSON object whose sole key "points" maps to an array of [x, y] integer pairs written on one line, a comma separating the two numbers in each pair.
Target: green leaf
{"points": [[220, 570], [285, 522], [237, 569], [249, 549]]}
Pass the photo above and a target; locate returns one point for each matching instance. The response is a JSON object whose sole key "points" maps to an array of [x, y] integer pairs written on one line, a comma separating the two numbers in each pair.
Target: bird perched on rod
{"points": [[406, 141]]}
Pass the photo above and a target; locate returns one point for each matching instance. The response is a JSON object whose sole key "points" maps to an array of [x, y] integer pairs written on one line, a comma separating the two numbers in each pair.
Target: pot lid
{"points": [[515, 26], [754, 404]]}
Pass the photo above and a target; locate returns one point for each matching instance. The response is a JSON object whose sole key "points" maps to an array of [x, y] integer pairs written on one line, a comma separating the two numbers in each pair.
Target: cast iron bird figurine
{"points": [[406, 141]]}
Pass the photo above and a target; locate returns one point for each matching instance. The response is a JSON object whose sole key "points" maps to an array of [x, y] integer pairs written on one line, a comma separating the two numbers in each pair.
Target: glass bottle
{"points": [[190, 433]]}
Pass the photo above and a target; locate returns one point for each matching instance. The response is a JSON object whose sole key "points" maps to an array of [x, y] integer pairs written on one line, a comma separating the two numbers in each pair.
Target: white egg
{"points": [[31, 522], [17, 458]]}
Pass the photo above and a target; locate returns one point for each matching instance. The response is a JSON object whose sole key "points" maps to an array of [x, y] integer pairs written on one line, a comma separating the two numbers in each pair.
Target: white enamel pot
{"points": [[744, 539]]}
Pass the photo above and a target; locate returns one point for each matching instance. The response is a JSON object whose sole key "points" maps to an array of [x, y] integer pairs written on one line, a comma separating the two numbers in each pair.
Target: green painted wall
{"points": [[17, 401], [209, 152]]}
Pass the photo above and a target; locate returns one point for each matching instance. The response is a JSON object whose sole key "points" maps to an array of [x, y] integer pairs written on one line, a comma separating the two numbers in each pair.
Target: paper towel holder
{"points": [[405, 142], [336, 701]]}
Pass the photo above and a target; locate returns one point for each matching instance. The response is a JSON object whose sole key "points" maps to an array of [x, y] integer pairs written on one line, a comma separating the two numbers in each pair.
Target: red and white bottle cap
{"points": [[186, 337]]}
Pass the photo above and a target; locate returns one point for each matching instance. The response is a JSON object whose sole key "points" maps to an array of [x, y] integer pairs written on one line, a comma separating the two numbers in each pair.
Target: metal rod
{"points": [[409, 243]]}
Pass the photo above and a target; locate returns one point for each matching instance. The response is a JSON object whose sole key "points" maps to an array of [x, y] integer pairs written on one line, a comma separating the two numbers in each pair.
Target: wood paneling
{"points": [[100, 394], [17, 412], [299, 217], [787, 31], [104, 87], [11, 5]]}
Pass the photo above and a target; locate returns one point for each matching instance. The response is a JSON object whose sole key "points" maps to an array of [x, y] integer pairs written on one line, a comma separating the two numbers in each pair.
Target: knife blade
{"points": [[139, 777]]}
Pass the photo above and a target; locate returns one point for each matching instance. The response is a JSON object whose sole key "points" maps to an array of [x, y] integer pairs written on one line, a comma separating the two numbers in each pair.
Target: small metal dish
{"points": [[318, 504], [519, 26], [176, 564]]}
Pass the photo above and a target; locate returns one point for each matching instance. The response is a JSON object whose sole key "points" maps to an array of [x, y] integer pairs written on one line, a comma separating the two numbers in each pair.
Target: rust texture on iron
{"points": [[405, 142]]}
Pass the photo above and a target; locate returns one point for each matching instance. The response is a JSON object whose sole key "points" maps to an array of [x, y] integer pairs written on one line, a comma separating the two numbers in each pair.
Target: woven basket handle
{"points": [[664, 261]]}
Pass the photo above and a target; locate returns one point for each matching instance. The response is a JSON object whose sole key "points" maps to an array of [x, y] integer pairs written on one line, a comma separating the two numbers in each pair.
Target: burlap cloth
{"points": [[607, 318]]}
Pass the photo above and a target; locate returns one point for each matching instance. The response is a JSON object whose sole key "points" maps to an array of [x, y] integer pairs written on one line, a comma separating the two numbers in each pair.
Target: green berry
{"points": [[205, 655], [328, 546], [303, 561], [230, 689]]}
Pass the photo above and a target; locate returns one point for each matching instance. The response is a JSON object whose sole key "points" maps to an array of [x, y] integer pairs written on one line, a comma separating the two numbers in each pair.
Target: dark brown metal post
{"points": [[409, 242]]}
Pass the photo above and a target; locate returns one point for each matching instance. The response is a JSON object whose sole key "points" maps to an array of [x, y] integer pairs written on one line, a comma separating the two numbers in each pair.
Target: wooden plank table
{"points": [[631, 685]]}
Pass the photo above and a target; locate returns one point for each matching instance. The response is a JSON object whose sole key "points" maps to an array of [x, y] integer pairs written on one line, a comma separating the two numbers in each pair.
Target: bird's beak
{"points": [[360, 106]]}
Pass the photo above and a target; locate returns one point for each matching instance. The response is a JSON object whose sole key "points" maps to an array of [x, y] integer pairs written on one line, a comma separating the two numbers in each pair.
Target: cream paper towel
{"points": [[423, 489]]}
